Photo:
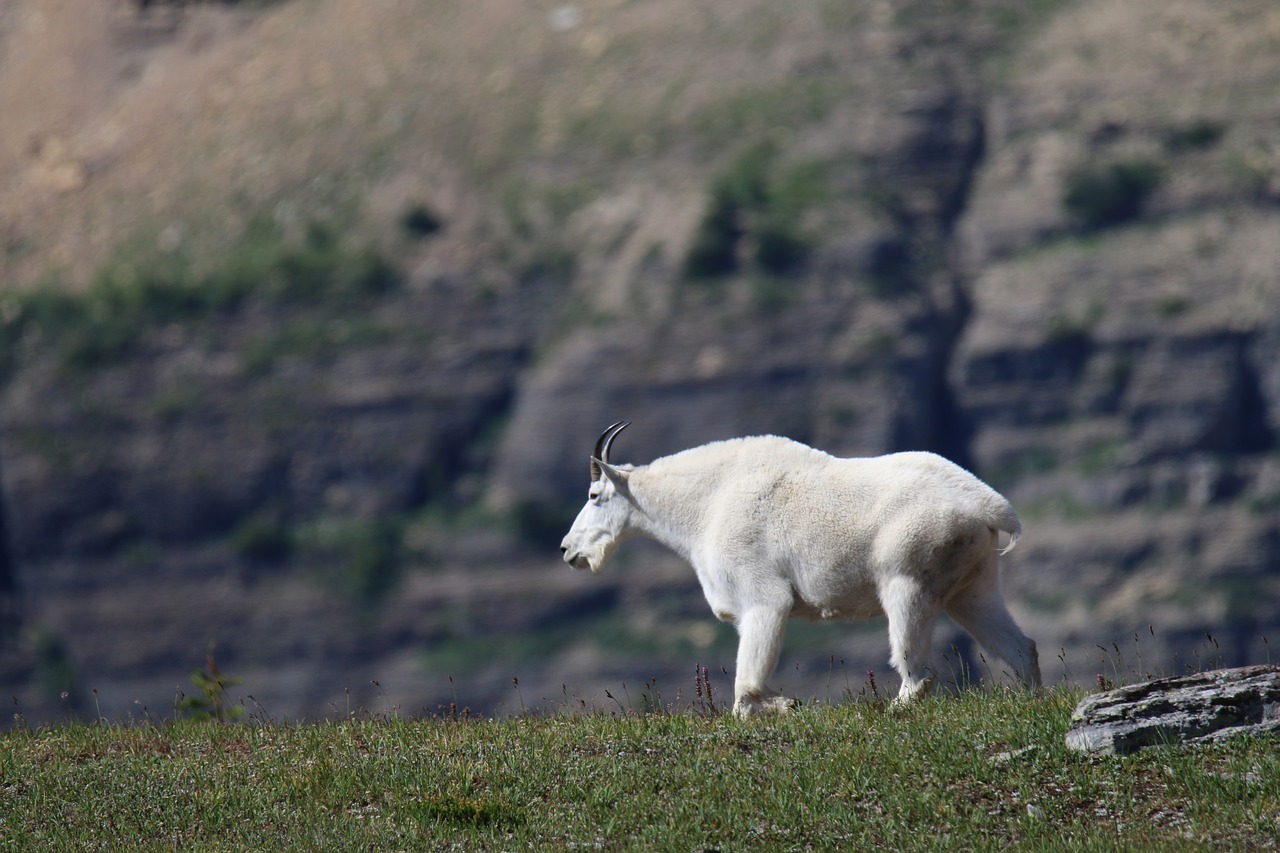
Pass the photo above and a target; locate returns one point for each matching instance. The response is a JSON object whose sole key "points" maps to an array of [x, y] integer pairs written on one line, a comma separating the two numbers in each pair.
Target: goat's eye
{"points": [[595, 496]]}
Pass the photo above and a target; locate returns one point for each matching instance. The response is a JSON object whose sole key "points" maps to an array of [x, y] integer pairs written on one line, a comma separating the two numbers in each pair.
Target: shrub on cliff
{"points": [[1097, 197]]}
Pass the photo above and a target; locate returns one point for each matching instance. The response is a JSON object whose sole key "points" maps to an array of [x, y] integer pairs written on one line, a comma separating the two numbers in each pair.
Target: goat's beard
{"points": [[597, 557], [595, 560]]}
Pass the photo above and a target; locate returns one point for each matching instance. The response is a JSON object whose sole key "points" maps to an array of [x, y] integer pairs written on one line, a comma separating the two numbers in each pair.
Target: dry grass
{"points": [[191, 121], [171, 129]]}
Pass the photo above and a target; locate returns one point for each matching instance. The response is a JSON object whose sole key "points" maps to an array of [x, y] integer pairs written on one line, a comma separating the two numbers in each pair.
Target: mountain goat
{"points": [[776, 529]]}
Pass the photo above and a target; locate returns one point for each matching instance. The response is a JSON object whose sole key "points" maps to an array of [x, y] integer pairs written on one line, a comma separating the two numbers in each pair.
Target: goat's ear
{"points": [[615, 475]]}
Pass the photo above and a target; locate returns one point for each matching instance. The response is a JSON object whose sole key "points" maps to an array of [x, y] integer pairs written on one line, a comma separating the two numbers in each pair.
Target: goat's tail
{"points": [[1007, 520]]}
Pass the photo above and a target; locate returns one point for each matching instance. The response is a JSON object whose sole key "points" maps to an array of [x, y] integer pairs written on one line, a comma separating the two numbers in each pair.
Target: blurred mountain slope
{"points": [[312, 311]]}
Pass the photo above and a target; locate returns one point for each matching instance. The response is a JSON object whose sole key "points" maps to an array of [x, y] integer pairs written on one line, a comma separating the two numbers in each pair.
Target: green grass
{"points": [[981, 770]]}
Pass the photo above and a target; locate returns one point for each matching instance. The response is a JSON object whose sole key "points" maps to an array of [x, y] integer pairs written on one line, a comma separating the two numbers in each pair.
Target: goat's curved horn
{"points": [[602, 447]]}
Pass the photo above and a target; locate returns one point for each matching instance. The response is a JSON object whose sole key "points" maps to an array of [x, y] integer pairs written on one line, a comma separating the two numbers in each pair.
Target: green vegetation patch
{"points": [[360, 558], [1060, 507], [419, 220], [1102, 196], [1196, 135], [978, 771], [1029, 461], [143, 291], [311, 336], [791, 102], [754, 217], [1102, 456]]}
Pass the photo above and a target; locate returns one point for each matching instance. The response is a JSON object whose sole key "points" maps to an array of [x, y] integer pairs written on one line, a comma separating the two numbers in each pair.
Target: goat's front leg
{"points": [[760, 632]]}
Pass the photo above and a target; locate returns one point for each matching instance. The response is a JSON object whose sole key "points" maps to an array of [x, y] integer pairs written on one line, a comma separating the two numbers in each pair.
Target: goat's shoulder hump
{"points": [[917, 459], [754, 448], [768, 447]]}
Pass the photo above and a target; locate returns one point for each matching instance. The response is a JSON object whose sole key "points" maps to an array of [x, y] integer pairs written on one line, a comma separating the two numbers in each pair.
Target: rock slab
{"points": [[1206, 706]]}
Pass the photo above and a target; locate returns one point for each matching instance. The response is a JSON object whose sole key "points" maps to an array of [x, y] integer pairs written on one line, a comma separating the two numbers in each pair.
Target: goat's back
{"points": [[785, 488]]}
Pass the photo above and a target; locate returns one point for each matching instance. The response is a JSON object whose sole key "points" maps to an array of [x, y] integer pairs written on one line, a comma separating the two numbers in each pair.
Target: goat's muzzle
{"points": [[577, 559]]}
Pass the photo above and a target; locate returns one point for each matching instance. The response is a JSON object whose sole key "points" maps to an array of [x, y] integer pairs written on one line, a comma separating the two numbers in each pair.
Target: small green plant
{"points": [[460, 810], [1194, 136], [1101, 196], [209, 702], [753, 217], [714, 251], [420, 221]]}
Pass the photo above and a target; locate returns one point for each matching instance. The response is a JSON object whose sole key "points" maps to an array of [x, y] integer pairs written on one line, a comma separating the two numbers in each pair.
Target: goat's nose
{"points": [[564, 549]]}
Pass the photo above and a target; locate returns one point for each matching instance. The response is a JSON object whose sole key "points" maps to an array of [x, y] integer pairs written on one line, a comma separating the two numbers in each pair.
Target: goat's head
{"points": [[606, 519]]}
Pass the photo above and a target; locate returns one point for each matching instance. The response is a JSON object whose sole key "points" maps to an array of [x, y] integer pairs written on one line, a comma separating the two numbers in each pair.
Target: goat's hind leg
{"points": [[980, 610]]}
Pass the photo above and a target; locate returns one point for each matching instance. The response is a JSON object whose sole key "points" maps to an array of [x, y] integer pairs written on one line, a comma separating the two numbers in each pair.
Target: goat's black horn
{"points": [[602, 447]]}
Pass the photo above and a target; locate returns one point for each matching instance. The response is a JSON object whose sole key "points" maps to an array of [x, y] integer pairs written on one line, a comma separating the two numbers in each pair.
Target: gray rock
{"points": [[1206, 706]]}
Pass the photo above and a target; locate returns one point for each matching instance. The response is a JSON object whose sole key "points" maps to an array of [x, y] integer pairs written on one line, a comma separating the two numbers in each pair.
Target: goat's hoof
{"points": [[781, 704], [750, 706], [913, 690]]}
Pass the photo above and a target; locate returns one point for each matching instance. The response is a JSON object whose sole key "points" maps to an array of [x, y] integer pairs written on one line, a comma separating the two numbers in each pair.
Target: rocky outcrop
{"points": [[1204, 707]]}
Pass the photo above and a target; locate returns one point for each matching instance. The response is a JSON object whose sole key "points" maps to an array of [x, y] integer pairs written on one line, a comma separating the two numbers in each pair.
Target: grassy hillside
{"points": [[980, 770]]}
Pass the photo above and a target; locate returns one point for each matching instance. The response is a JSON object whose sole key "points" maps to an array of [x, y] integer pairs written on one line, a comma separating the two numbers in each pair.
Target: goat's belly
{"points": [[846, 611], [831, 595]]}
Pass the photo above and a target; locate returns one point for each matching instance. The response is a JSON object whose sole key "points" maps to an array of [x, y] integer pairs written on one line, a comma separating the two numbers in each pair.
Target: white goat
{"points": [[776, 529]]}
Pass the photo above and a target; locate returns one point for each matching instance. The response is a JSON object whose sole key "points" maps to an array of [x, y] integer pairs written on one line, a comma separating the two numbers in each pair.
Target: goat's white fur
{"points": [[776, 529]]}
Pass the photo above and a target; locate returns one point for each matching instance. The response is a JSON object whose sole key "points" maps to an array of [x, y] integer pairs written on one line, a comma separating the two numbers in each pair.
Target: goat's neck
{"points": [[672, 505]]}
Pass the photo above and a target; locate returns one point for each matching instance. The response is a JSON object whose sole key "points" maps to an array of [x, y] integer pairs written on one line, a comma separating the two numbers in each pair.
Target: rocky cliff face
{"points": [[343, 447], [1121, 372]]}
